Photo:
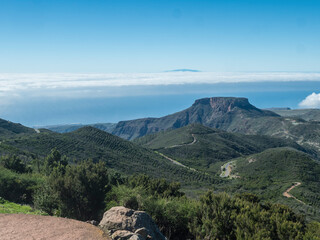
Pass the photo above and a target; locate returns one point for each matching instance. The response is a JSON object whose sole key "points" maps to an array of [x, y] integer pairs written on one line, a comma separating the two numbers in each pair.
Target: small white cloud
{"points": [[311, 101]]}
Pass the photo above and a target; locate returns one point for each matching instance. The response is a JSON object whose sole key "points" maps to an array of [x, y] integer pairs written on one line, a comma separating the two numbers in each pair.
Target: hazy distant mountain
{"points": [[277, 108], [65, 128], [306, 114], [184, 70]]}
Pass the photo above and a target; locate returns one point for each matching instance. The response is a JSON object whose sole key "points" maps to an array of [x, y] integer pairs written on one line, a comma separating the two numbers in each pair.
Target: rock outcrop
{"points": [[224, 113], [123, 224]]}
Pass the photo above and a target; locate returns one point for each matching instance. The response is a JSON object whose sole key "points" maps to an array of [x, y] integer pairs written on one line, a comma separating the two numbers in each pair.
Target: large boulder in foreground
{"points": [[124, 223]]}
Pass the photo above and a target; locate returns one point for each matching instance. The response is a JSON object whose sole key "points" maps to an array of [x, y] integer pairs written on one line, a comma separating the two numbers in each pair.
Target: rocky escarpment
{"points": [[126, 224], [218, 112]]}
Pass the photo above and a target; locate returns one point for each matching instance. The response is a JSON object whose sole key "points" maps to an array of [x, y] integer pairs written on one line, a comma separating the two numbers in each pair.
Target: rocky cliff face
{"points": [[216, 112]]}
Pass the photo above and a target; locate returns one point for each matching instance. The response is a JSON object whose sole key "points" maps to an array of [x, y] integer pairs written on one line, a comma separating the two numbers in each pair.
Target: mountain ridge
{"points": [[216, 112]]}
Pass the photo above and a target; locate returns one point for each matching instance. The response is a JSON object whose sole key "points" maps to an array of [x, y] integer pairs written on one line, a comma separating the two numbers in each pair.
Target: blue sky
{"points": [[274, 44], [159, 35]]}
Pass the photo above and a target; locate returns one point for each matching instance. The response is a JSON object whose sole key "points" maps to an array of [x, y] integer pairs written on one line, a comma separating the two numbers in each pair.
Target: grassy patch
{"points": [[10, 207]]}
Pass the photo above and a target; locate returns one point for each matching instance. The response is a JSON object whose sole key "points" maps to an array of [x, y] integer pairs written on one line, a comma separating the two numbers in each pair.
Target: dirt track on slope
{"points": [[288, 195], [34, 227], [185, 144]]}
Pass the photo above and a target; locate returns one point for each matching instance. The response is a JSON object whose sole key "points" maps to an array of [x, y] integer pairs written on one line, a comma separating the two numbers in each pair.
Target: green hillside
{"points": [[270, 173], [204, 148], [88, 142], [229, 114], [8, 129], [65, 128]]}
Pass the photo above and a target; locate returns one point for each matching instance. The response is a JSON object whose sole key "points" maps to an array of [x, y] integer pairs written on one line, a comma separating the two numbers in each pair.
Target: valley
{"points": [[224, 144]]}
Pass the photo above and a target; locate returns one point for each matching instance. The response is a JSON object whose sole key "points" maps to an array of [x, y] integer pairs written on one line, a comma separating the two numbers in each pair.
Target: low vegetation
{"points": [[84, 173], [85, 190], [10, 207], [90, 143], [212, 146]]}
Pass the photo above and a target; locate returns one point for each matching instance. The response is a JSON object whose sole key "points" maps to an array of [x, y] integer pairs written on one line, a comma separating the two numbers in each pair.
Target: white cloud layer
{"points": [[15, 86], [311, 101]]}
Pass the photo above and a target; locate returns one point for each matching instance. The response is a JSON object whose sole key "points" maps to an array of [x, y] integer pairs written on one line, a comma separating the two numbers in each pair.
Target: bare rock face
{"points": [[126, 235], [124, 223]]}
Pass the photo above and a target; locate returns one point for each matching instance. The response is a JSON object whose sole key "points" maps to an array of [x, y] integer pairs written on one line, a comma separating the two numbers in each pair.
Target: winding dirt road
{"points": [[172, 160], [185, 144], [227, 171], [288, 195], [34, 227], [180, 145]]}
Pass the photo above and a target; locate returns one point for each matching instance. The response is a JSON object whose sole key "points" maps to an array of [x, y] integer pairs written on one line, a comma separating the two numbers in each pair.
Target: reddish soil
{"points": [[288, 195], [34, 227]]}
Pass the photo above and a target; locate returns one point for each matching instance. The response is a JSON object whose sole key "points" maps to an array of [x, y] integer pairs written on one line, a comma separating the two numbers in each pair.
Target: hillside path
{"points": [[172, 160], [176, 162], [288, 195], [185, 144], [227, 168], [35, 227]]}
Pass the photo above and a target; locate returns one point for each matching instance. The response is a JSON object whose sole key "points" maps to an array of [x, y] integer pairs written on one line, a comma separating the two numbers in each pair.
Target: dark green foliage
{"points": [[219, 216], [15, 164], [171, 214], [9, 129], [270, 173], [78, 192], [215, 216], [18, 187], [124, 156], [46, 199], [156, 187], [54, 160], [313, 231]]}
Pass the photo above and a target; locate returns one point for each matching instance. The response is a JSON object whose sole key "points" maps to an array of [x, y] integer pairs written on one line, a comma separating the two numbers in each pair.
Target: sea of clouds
{"points": [[100, 85]]}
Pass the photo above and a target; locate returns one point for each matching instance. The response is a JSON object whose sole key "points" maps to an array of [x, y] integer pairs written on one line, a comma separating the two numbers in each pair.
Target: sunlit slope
{"points": [[121, 155], [270, 173], [204, 148]]}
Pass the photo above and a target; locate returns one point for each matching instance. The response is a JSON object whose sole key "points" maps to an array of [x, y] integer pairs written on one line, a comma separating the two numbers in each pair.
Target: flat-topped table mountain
{"points": [[229, 114], [217, 112]]}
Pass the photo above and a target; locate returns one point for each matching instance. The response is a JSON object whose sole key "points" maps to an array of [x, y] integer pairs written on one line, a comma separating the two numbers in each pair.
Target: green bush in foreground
{"points": [[75, 191], [17, 187], [215, 216]]}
